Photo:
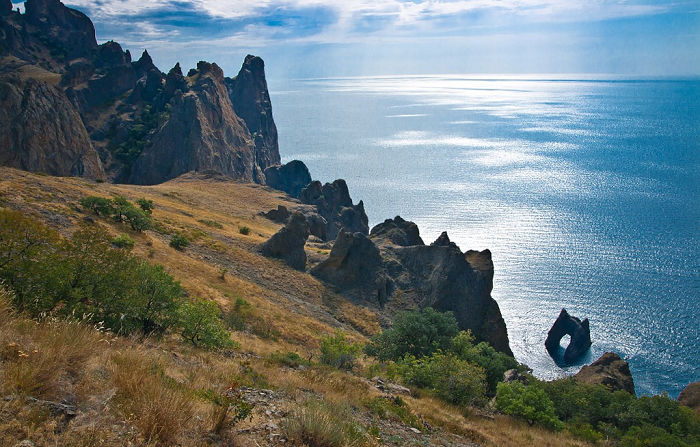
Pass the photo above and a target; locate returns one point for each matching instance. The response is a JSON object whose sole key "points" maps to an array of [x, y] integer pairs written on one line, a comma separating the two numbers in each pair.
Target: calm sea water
{"points": [[586, 192]]}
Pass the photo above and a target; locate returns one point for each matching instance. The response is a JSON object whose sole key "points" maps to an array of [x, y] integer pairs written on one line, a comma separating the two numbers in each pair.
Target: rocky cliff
{"points": [[145, 126]]}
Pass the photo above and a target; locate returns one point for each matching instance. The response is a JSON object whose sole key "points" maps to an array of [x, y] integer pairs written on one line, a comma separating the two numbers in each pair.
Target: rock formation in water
{"points": [[609, 370], [146, 127], [690, 396], [291, 177], [578, 330], [288, 243]]}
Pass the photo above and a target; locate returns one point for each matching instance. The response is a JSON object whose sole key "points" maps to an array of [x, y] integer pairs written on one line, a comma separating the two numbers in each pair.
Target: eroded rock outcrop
{"points": [[609, 370], [355, 266], [251, 101], [41, 132], [333, 202], [290, 177], [202, 133], [288, 243], [690, 396], [71, 31], [398, 232], [578, 330]]}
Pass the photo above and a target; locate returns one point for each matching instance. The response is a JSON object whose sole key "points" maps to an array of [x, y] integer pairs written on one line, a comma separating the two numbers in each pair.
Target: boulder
{"points": [[281, 214], [609, 370], [578, 330], [288, 243], [398, 232], [251, 101], [291, 177], [690, 396], [355, 267], [41, 132], [513, 375]]}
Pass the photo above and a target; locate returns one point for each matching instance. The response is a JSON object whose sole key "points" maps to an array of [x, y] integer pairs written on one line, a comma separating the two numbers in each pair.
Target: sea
{"points": [[585, 189]]}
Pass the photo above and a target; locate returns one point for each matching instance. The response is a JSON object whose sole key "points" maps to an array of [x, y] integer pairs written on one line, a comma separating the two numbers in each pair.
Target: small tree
{"points": [[98, 205], [338, 352], [200, 323], [145, 204], [530, 403], [138, 219], [419, 333], [123, 241]]}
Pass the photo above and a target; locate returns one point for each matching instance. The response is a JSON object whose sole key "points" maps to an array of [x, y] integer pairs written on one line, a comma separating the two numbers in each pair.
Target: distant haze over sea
{"points": [[585, 190]]}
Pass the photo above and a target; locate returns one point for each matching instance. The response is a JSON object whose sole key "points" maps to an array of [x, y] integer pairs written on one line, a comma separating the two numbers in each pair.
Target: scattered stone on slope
{"points": [[288, 243], [291, 177], [609, 370], [578, 330]]}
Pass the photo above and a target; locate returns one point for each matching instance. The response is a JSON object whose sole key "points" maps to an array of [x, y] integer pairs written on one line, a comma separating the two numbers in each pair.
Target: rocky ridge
{"points": [[122, 120]]}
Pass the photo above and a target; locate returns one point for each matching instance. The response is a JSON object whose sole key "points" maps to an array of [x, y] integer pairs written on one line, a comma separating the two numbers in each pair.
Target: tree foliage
{"points": [[418, 333], [527, 402], [338, 352]]}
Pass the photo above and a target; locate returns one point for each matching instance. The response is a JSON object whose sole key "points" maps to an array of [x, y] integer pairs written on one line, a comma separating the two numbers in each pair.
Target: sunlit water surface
{"points": [[586, 192]]}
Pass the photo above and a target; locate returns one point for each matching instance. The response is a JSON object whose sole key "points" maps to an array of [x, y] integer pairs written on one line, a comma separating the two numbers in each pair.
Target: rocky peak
{"points": [[444, 241], [334, 204], [251, 101], [110, 54], [69, 27], [291, 177], [144, 65]]}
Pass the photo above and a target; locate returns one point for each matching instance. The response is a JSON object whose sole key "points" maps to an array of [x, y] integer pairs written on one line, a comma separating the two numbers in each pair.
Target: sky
{"points": [[330, 38]]}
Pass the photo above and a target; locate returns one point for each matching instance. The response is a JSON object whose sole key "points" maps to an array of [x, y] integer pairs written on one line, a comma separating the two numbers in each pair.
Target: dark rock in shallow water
{"points": [[578, 330], [398, 232], [609, 370], [291, 177], [690, 396], [355, 266], [288, 243]]}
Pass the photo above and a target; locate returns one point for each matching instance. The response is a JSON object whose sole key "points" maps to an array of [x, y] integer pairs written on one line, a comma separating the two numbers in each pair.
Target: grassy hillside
{"points": [[69, 383]]}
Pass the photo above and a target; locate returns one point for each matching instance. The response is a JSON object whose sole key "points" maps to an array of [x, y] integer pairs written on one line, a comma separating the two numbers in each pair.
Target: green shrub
{"points": [[493, 362], [393, 408], [98, 205], [210, 223], [200, 323], [530, 403], [288, 359], [123, 241], [418, 333], [145, 205], [446, 376], [338, 352], [236, 318], [179, 241], [244, 230]]}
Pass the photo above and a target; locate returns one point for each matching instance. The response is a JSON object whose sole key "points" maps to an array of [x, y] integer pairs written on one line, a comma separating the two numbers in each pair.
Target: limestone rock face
{"points": [[333, 202], [690, 396], [291, 177], [41, 132], [578, 330], [609, 370], [288, 243], [356, 267], [397, 231], [203, 133], [251, 102]]}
